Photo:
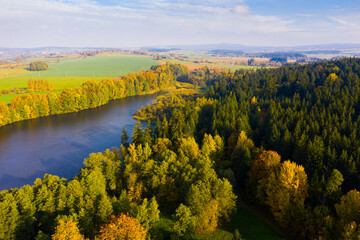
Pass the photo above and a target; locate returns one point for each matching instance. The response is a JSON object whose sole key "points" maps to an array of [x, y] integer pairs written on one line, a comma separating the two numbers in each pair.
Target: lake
{"points": [[58, 144]]}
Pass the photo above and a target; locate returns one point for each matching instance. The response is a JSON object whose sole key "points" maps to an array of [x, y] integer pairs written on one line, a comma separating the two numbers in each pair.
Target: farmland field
{"points": [[111, 66], [73, 73], [9, 73], [58, 82], [7, 98]]}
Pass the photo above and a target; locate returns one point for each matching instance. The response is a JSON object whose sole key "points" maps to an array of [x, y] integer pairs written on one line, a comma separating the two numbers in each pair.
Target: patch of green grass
{"points": [[12, 72], [73, 73], [99, 66], [8, 98], [58, 82], [249, 225]]}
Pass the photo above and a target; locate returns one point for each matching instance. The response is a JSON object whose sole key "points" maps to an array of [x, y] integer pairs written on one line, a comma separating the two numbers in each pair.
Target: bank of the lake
{"points": [[58, 144]]}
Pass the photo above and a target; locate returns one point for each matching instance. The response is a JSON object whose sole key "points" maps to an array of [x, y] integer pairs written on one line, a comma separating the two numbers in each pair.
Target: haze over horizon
{"points": [[137, 23]]}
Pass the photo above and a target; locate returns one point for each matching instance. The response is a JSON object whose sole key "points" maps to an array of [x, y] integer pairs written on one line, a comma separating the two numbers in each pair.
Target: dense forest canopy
{"points": [[285, 138]]}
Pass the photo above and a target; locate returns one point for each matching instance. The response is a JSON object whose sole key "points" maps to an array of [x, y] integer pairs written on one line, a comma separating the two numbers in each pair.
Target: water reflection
{"points": [[59, 144]]}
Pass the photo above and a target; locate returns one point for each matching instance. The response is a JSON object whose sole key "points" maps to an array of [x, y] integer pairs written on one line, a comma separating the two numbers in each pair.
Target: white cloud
{"points": [[141, 22], [304, 15], [242, 9]]}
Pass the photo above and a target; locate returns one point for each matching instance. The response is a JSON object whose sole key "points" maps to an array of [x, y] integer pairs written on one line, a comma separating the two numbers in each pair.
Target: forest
{"points": [[285, 138]]}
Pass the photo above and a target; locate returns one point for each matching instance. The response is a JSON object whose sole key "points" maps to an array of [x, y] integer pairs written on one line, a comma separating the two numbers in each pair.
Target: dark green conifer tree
{"points": [[124, 137], [137, 136]]}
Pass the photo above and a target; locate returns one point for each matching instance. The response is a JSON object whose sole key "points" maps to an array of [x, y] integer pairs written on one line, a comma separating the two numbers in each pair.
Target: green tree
{"points": [[124, 137], [177, 124], [137, 136], [9, 217], [184, 224]]}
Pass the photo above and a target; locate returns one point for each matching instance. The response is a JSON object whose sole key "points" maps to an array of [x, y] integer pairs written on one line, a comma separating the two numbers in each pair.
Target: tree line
{"points": [[89, 95]]}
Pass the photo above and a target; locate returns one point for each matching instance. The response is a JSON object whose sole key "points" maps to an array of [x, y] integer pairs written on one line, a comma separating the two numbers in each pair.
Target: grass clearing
{"points": [[8, 73], [73, 73], [99, 66], [58, 82], [250, 226], [8, 98]]}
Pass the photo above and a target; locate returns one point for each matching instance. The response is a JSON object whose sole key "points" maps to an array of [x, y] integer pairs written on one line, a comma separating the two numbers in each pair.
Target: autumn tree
{"points": [[38, 66], [67, 230], [122, 227], [286, 187], [261, 168]]}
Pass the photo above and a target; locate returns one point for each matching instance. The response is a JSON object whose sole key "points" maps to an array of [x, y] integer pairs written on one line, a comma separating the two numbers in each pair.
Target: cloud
{"points": [[124, 23], [241, 9], [304, 15], [343, 22]]}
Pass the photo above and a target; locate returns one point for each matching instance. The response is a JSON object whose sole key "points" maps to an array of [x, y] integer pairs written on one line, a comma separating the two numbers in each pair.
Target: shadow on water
{"points": [[58, 144]]}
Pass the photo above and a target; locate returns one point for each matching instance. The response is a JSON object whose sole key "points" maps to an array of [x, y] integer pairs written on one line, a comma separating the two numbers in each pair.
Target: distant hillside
{"points": [[229, 46]]}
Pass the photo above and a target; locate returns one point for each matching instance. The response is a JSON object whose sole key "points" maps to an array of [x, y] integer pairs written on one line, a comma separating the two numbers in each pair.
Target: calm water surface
{"points": [[59, 144]]}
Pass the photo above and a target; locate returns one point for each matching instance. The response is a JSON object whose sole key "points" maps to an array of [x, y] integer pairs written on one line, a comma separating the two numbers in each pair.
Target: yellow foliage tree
{"points": [[122, 227], [261, 168], [189, 147], [287, 186], [331, 78], [207, 221], [67, 230]]}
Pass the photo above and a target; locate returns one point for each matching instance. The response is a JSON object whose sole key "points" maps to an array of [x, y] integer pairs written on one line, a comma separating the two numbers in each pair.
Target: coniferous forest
{"points": [[285, 138]]}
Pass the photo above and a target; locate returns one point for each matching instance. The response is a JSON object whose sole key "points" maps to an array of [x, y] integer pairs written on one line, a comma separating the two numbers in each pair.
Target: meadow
{"points": [[7, 98], [100, 66], [72, 73]]}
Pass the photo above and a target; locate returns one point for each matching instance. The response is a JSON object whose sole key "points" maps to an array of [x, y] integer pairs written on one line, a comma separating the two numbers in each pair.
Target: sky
{"points": [[139, 23]]}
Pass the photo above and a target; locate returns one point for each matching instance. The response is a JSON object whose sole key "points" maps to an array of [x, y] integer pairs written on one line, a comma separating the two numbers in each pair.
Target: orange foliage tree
{"points": [[122, 227], [67, 230]]}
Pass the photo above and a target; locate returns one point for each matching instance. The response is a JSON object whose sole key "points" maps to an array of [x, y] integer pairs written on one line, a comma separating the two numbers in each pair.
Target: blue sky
{"points": [[135, 23]]}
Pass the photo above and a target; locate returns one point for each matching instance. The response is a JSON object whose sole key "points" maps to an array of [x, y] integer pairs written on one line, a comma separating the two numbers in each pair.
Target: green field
{"points": [[7, 98], [58, 82], [101, 66], [73, 73]]}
